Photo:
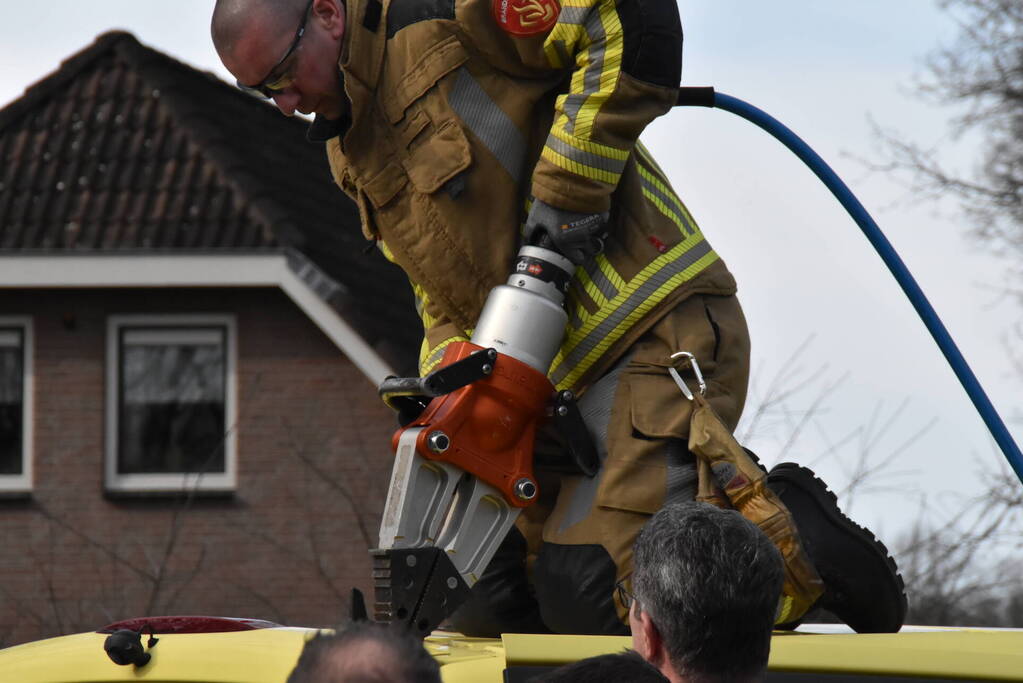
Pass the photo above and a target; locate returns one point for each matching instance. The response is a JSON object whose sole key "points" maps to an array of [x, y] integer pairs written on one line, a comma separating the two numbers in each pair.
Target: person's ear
{"points": [[649, 644], [331, 14]]}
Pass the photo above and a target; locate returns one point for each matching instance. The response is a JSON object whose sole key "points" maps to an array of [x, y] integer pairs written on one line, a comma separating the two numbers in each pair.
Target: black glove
{"points": [[576, 236]]}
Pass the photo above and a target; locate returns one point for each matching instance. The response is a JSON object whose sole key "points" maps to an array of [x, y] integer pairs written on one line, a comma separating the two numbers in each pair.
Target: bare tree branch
{"points": [[360, 518], [983, 73]]}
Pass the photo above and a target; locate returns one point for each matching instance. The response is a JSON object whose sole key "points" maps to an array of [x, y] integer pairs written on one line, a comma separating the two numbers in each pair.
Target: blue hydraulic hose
{"points": [[708, 98]]}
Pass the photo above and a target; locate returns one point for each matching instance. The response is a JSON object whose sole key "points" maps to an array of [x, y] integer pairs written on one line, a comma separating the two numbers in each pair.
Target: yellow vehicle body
{"points": [[268, 655]]}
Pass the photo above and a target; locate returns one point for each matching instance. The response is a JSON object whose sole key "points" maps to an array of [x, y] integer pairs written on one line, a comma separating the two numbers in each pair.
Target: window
{"points": [[15, 405], [170, 403]]}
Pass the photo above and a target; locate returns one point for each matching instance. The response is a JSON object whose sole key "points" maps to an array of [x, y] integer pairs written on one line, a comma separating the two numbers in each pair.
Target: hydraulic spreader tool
{"points": [[463, 468]]}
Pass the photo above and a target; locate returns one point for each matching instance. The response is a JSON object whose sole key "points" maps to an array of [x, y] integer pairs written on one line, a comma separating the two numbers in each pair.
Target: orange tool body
{"points": [[491, 424]]}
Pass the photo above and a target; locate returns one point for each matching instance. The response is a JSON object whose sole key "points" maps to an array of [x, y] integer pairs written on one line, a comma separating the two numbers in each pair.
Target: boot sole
{"points": [[826, 503]]}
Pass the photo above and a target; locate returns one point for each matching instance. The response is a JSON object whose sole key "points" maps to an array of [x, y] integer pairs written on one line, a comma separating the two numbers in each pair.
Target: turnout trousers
{"points": [[557, 570]]}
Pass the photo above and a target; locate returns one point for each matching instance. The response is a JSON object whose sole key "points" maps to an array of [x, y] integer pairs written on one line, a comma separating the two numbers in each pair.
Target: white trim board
{"points": [[203, 270]]}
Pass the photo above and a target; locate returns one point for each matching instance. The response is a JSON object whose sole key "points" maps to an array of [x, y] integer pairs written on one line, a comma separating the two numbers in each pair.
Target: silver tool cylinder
{"points": [[524, 318]]}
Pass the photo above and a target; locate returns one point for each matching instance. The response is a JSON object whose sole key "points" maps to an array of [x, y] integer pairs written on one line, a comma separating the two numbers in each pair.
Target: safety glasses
{"points": [[279, 79], [625, 596]]}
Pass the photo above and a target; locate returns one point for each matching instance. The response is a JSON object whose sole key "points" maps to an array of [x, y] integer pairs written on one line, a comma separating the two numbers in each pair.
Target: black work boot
{"points": [[862, 584]]}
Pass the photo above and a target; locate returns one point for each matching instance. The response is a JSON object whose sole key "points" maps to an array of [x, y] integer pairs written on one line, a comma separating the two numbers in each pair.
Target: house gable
{"points": [[125, 151]]}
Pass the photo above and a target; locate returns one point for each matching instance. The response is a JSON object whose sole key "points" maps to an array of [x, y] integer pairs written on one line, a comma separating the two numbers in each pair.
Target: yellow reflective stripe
{"points": [[580, 169], [610, 273], [587, 344], [612, 64], [591, 147], [658, 191], [421, 302], [663, 208], [591, 31], [648, 159], [568, 370], [785, 611], [424, 354], [429, 358], [588, 154], [662, 196], [556, 52], [658, 184], [587, 285], [567, 32], [382, 246], [599, 280]]}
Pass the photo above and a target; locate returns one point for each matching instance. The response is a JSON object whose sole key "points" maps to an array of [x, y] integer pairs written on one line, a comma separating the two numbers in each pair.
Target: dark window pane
{"points": [[172, 405], [11, 400]]}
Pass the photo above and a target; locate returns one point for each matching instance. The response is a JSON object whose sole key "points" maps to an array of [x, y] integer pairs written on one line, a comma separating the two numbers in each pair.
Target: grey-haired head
{"points": [[709, 581]]}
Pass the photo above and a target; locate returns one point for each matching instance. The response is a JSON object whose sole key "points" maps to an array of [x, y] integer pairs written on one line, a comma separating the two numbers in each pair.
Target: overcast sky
{"points": [[804, 270]]}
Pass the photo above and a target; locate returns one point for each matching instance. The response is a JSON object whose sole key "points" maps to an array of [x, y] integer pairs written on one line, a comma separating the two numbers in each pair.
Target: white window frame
{"points": [[22, 483], [171, 482]]}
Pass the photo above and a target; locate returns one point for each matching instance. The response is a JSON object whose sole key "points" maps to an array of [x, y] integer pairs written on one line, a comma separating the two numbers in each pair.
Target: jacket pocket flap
{"points": [[635, 470], [439, 158], [382, 187], [658, 408], [447, 56]]}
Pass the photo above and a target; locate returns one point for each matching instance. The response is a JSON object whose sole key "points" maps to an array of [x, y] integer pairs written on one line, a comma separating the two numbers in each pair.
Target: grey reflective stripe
{"points": [[589, 17], [681, 477], [642, 293], [434, 356], [671, 202], [586, 158], [595, 407], [574, 319], [669, 199], [600, 281], [573, 103], [574, 15], [489, 123], [598, 41], [648, 159]]}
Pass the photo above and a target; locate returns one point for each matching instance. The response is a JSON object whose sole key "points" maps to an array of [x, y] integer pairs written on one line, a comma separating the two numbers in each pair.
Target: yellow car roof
{"points": [[267, 656]]}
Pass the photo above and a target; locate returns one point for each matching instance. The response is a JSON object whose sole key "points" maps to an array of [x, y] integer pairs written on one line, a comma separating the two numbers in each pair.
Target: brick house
{"points": [[191, 331]]}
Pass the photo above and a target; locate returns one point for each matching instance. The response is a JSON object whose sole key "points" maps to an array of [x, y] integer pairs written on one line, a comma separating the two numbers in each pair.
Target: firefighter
{"points": [[462, 128]]}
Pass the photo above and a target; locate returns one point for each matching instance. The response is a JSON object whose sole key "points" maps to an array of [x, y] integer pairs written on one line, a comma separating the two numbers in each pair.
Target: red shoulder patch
{"points": [[525, 17]]}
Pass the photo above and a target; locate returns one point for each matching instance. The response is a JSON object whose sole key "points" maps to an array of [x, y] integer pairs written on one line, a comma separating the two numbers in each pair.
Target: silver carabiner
{"points": [[696, 371]]}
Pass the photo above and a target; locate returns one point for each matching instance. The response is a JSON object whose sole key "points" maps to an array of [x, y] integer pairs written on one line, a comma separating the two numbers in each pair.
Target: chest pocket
{"points": [[435, 159], [414, 142], [416, 194], [431, 149]]}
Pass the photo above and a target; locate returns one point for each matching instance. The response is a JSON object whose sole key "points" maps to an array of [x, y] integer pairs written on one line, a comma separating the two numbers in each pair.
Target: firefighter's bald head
{"points": [[231, 18], [287, 49]]}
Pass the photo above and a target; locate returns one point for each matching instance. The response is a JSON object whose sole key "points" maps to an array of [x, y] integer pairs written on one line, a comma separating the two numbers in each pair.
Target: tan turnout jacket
{"points": [[456, 123]]}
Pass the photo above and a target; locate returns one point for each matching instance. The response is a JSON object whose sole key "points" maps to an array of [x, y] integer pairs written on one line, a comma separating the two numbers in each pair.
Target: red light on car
{"points": [[188, 624]]}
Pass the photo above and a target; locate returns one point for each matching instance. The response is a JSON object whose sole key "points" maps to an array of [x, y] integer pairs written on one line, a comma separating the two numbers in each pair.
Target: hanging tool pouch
{"points": [[729, 478]]}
